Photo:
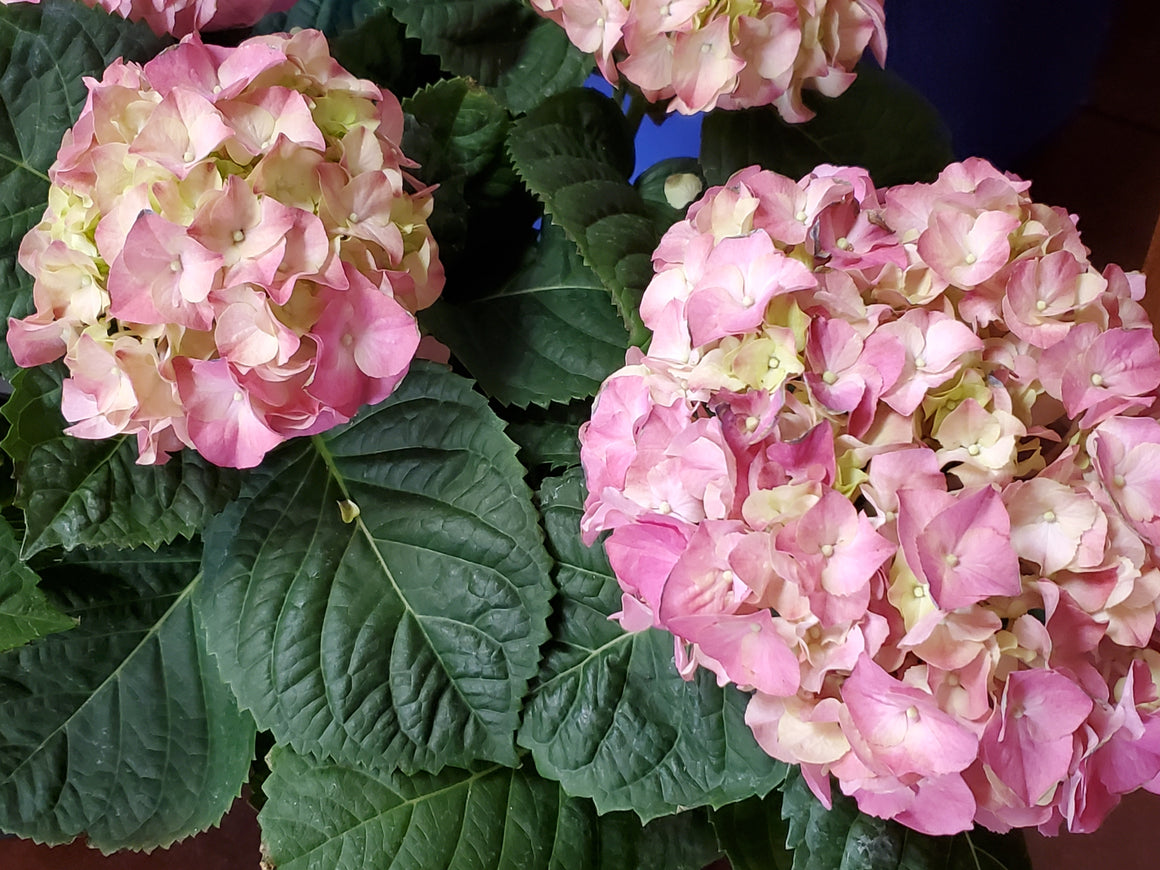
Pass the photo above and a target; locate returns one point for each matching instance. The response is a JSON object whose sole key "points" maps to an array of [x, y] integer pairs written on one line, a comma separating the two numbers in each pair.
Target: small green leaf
{"points": [[842, 838], [25, 613], [45, 52], [551, 334], [467, 127], [407, 636], [502, 44], [326, 816], [880, 123], [121, 729], [575, 153], [610, 717]]}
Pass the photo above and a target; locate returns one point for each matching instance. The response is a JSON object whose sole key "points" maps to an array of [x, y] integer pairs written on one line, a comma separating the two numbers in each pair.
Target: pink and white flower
{"points": [[703, 54], [892, 464], [227, 261]]}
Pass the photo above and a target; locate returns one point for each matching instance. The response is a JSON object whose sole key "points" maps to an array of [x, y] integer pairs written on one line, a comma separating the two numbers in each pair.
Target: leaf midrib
{"points": [[336, 474], [416, 801]]}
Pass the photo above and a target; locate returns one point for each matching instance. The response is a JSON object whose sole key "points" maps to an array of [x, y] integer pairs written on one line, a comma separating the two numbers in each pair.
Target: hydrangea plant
{"points": [[303, 321]]}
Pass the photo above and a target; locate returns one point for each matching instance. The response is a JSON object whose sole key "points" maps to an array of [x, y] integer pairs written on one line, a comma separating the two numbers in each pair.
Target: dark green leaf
{"points": [[842, 838], [76, 492], [610, 718], [575, 153], [466, 125], [502, 44], [880, 123], [549, 436], [482, 216], [332, 817], [120, 729], [753, 833], [25, 613], [32, 411], [93, 493], [45, 50], [407, 635], [551, 334], [330, 16]]}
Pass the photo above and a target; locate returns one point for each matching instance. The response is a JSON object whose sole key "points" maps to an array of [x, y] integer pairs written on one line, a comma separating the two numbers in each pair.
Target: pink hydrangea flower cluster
{"points": [[729, 54], [182, 17], [892, 463], [232, 253]]}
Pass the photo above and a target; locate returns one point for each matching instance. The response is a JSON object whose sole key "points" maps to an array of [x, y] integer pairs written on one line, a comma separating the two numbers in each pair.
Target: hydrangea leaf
{"points": [[381, 594], [482, 216], [326, 816], [551, 334], [575, 153], [549, 436], [92, 493], [332, 17], [502, 44], [32, 411], [25, 613], [609, 717], [843, 838], [880, 123], [45, 51], [467, 126], [121, 729], [753, 833]]}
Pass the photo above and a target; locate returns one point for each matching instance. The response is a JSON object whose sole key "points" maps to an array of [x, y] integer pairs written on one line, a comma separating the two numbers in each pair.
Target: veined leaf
{"points": [[466, 125], [121, 729], [32, 411], [575, 153], [753, 833], [45, 51], [326, 816], [482, 217], [842, 838], [609, 717], [76, 492], [880, 123], [25, 613], [382, 595], [551, 334], [549, 436], [502, 44]]}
